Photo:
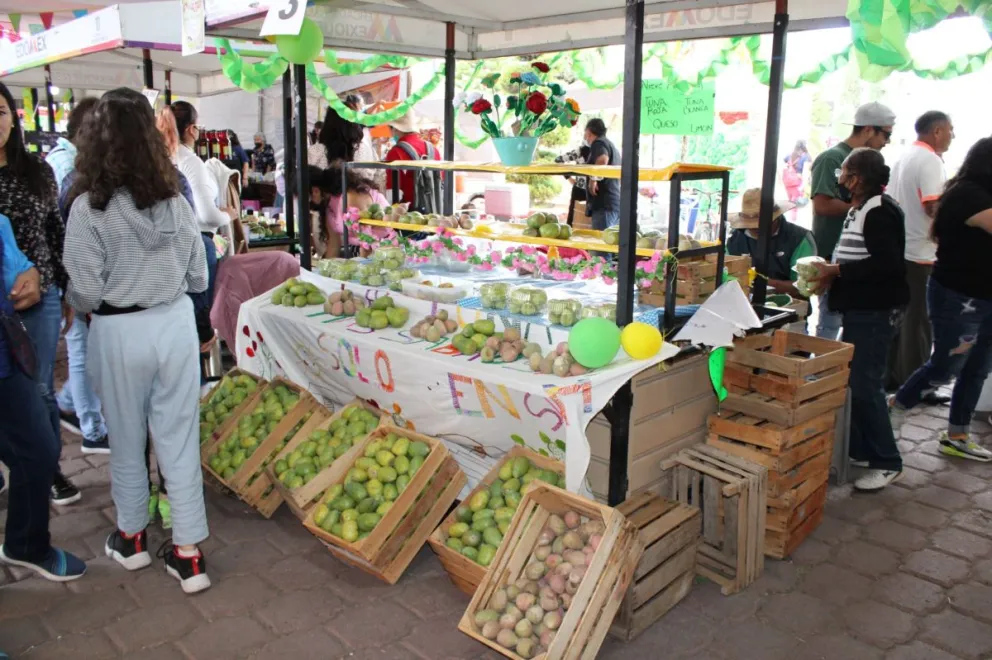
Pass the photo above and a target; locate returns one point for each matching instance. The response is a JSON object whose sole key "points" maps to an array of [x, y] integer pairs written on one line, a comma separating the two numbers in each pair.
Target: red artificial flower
{"points": [[537, 103], [541, 66], [480, 106]]}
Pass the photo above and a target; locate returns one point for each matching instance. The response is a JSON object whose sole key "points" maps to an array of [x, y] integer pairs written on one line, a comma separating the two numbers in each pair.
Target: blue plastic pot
{"points": [[516, 151]]}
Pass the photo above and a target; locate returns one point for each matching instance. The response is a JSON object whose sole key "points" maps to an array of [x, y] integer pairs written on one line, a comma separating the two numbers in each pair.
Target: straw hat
{"points": [[750, 208], [405, 124]]}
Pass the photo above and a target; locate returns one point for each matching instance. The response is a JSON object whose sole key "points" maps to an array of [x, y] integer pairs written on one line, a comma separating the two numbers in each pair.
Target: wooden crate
{"points": [[731, 494], [249, 403], [789, 526], [463, 572], [301, 500], [595, 604], [395, 541], [696, 280], [786, 378], [671, 406], [250, 483], [670, 534]]}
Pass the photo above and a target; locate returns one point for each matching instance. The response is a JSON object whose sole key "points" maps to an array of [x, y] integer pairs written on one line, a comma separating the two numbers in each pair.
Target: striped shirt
{"points": [[851, 246]]}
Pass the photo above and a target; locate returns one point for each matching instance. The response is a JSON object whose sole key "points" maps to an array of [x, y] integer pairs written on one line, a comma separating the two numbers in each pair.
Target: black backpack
{"points": [[428, 186]]}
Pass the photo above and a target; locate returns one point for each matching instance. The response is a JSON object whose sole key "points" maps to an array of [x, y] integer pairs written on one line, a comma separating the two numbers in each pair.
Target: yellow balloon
{"points": [[640, 340]]}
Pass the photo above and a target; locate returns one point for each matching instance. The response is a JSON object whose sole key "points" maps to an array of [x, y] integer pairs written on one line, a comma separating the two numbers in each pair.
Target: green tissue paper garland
{"points": [[717, 363]]}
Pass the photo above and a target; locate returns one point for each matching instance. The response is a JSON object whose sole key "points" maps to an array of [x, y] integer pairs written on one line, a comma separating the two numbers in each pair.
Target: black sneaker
{"points": [[70, 422], [63, 492], [130, 552], [190, 571], [98, 446]]}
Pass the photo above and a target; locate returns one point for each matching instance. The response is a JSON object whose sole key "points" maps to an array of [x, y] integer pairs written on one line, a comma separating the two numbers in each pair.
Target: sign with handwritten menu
{"points": [[669, 111]]}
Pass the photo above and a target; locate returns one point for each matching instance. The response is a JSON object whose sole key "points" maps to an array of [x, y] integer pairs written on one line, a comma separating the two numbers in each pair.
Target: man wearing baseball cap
{"points": [[873, 129]]}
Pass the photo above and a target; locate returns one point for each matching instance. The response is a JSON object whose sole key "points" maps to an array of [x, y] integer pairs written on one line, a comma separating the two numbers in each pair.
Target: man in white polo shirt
{"points": [[916, 183]]}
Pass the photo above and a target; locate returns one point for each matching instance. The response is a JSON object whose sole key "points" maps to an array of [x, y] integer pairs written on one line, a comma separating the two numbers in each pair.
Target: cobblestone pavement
{"points": [[905, 574]]}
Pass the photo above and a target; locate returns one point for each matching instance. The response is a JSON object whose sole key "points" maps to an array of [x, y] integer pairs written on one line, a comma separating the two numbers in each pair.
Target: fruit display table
{"points": [[479, 410]]}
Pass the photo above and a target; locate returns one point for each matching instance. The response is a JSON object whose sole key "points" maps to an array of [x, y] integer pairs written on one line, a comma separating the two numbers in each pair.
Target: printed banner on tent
{"points": [[194, 27], [669, 111], [92, 33], [480, 410]]}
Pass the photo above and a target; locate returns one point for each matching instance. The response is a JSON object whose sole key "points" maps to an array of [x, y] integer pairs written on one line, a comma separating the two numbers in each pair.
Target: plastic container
{"points": [[435, 290], [528, 301], [389, 258], [494, 295], [566, 312], [394, 278], [341, 269], [370, 275], [602, 310]]}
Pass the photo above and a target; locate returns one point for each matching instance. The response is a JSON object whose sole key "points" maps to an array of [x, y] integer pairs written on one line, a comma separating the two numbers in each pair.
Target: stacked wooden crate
{"points": [[785, 390], [696, 280]]}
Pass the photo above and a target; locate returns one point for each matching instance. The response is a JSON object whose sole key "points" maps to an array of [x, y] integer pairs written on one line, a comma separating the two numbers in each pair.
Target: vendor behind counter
{"points": [[789, 242]]}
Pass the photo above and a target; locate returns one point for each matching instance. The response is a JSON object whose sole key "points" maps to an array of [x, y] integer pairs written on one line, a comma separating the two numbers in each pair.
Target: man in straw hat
{"points": [[409, 146], [789, 242]]}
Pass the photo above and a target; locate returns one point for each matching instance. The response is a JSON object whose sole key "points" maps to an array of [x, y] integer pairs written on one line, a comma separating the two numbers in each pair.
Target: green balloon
{"points": [[304, 47], [594, 342]]}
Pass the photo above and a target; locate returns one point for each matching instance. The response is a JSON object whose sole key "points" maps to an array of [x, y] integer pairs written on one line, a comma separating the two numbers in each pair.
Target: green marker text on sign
{"points": [[668, 111]]}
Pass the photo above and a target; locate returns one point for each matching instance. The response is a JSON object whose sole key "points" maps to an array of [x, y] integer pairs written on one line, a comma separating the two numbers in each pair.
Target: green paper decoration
{"points": [[249, 77], [717, 362], [594, 342], [369, 64], [304, 47]]}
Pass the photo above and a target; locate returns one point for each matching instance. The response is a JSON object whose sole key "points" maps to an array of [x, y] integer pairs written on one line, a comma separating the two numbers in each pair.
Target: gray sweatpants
{"points": [[145, 367]]}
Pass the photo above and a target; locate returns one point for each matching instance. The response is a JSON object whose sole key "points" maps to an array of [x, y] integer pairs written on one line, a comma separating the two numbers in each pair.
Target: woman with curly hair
{"points": [[133, 251]]}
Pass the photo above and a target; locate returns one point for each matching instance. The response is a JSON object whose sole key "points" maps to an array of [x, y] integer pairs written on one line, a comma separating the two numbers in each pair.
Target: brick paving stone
{"points": [[95, 476], [153, 587], [913, 479], [374, 624], [983, 571], [910, 593], [87, 612], [857, 509], [833, 531], [942, 498], [779, 576], [225, 638], [293, 612], [297, 573], [163, 652], [102, 573], [83, 646], [836, 585], [152, 626], [31, 596], [961, 482], [232, 595], [810, 552], [983, 500], [918, 651], [439, 638], [755, 640], [974, 600], [308, 644], [915, 433], [431, 596], [391, 652], [798, 613], [73, 466], [706, 599], [836, 647], [931, 423], [234, 530], [961, 543], [895, 536], [918, 515], [937, 567], [924, 461], [958, 634], [681, 632], [76, 525], [879, 625], [18, 635], [243, 558], [975, 521], [868, 559]]}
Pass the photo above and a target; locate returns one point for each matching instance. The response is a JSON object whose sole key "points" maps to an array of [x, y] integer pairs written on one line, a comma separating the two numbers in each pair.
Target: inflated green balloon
{"points": [[594, 342], [304, 47]]}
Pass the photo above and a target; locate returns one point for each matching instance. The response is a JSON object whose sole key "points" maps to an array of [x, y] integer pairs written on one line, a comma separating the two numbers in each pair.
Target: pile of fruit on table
{"points": [[297, 293]]}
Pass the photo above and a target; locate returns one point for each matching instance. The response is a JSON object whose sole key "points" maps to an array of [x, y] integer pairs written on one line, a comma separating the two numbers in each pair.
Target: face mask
{"points": [[844, 193]]}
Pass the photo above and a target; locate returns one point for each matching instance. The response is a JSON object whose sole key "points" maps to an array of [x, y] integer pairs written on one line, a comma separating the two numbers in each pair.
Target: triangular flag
{"points": [[15, 21], [46, 19], [79, 13], [36, 29]]}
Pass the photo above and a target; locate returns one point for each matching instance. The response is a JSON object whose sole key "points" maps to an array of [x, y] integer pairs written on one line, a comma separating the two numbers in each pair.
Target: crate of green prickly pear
{"points": [[467, 540], [221, 407], [388, 493], [300, 470]]}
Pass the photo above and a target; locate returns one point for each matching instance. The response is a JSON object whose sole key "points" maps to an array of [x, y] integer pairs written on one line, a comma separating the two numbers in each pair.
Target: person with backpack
{"points": [[421, 189]]}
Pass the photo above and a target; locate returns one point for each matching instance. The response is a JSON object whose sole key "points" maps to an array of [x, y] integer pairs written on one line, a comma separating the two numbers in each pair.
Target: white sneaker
{"points": [[897, 417], [876, 480]]}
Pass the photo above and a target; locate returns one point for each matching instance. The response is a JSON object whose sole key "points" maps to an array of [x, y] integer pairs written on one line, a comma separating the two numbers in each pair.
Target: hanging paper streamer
{"points": [[249, 77], [718, 360], [28, 120], [369, 64]]}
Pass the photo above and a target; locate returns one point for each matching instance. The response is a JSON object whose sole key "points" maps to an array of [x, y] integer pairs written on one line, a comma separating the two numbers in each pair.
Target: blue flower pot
{"points": [[516, 151]]}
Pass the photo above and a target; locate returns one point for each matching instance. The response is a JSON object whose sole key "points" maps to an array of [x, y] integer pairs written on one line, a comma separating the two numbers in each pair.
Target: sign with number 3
{"points": [[284, 17]]}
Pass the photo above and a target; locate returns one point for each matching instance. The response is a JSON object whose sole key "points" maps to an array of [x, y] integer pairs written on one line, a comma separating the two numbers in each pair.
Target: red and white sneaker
{"points": [[190, 571], [131, 552]]}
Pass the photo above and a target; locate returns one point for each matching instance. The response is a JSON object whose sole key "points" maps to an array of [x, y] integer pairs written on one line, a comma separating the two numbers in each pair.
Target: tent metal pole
{"points": [[288, 156], [168, 86], [303, 185], [35, 110], [449, 118], [49, 99], [146, 61], [623, 400], [771, 149]]}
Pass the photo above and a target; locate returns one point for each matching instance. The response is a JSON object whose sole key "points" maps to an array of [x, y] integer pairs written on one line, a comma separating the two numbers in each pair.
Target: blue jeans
{"points": [[872, 333], [77, 395], [829, 322], [603, 218], [31, 450], [962, 349], [43, 323]]}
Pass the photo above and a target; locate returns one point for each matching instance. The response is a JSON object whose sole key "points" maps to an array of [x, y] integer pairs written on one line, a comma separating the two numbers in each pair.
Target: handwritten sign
{"points": [[668, 111]]}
